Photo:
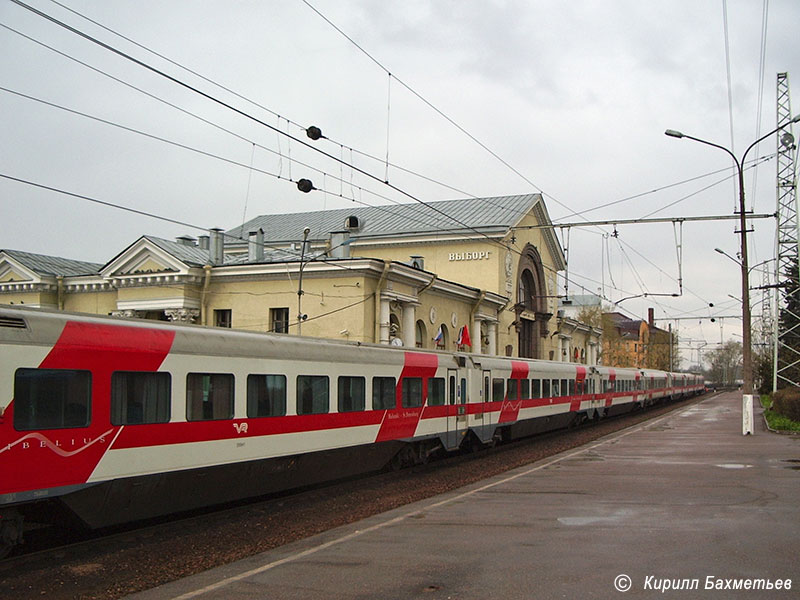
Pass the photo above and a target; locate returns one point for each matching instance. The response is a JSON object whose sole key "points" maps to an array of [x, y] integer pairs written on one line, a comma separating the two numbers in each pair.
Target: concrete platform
{"points": [[679, 502]]}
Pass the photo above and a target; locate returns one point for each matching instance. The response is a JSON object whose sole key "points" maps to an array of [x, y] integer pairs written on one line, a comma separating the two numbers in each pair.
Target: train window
{"points": [[525, 388], [51, 398], [463, 395], [209, 396], [546, 388], [555, 388], [352, 394], [139, 397], [452, 390], [564, 388], [571, 387], [498, 390], [266, 395], [536, 388], [512, 389], [412, 392], [486, 388], [313, 394], [383, 393], [436, 391]]}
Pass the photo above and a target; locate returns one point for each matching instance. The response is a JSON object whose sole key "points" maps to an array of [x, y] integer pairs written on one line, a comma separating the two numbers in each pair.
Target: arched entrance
{"points": [[532, 317]]}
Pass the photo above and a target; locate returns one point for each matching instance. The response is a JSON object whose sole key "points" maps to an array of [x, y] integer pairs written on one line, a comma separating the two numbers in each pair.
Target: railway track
{"points": [[112, 564]]}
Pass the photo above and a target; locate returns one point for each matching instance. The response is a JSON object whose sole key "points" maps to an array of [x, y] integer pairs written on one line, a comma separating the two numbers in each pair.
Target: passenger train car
{"points": [[109, 420]]}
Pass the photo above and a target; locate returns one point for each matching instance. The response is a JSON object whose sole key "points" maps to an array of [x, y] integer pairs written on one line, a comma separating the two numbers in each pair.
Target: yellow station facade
{"points": [[425, 276]]}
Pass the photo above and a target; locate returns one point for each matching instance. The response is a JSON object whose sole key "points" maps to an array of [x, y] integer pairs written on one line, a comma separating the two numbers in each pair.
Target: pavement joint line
{"points": [[359, 532]]}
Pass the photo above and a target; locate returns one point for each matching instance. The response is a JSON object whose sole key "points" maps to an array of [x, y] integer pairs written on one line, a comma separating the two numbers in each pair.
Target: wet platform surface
{"points": [[683, 501]]}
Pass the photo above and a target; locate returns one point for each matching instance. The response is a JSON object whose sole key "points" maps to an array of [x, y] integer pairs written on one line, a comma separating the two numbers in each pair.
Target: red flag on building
{"points": [[463, 337]]}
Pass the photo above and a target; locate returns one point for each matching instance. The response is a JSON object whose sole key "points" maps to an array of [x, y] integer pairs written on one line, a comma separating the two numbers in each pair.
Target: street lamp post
{"points": [[747, 356]]}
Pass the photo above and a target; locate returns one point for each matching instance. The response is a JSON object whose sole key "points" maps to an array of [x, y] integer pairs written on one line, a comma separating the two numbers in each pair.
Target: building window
{"points": [[139, 398], [420, 334], [51, 398], [279, 320], [209, 396], [383, 393], [223, 318], [313, 394], [266, 395]]}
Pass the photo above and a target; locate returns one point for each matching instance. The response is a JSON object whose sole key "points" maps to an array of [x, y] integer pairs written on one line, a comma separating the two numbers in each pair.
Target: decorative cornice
{"points": [[133, 280], [27, 286]]}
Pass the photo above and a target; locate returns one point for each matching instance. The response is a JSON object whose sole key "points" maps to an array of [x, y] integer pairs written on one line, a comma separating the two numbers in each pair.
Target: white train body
{"points": [[122, 419]]}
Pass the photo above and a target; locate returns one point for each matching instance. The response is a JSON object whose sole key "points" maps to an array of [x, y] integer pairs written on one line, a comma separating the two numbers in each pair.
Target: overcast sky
{"points": [[575, 96]]}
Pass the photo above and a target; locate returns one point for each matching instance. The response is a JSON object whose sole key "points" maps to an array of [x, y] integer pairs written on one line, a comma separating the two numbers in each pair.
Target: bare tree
{"points": [[726, 363]]}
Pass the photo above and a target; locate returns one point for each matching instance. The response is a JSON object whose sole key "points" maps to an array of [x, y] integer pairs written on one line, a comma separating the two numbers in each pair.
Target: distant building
{"points": [[413, 275], [579, 339], [636, 343]]}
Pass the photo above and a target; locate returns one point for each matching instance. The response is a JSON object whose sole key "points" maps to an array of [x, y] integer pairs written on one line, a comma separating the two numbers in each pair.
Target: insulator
{"points": [[305, 185], [314, 132]]}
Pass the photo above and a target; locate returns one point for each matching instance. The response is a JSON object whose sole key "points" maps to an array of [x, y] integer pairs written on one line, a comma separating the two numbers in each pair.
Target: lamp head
{"points": [[673, 133]]}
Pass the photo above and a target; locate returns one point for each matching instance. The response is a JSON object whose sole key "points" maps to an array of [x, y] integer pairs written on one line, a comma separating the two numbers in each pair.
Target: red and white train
{"points": [[118, 420]]}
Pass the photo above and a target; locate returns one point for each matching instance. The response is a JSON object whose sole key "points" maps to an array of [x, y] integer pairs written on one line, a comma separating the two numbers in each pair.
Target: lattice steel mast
{"points": [[786, 353]]}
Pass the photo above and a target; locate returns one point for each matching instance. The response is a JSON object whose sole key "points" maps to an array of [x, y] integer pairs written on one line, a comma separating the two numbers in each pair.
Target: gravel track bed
{"points": [[121, 564]]}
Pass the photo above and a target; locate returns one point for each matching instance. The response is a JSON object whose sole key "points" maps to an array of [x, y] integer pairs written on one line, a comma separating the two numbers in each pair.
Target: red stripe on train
{"points": [[402, 422], [57, 457], [509, 410]]}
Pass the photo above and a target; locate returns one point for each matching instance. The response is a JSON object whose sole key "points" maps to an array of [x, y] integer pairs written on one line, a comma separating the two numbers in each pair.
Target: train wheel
{"points": [[404, 458], [10, 532]]}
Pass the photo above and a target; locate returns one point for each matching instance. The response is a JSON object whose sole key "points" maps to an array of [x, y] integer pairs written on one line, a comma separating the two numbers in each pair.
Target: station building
{"points": [[477, 274]]}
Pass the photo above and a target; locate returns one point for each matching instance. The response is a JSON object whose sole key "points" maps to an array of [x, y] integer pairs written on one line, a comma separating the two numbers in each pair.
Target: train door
{"points": [[457, 407]]}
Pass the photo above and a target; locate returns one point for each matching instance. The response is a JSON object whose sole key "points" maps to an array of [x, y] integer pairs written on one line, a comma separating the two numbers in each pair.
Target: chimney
{"points": [[185, 240], [202, 242], [216, 249], [650, 317], [340, 244], [255, 246]]}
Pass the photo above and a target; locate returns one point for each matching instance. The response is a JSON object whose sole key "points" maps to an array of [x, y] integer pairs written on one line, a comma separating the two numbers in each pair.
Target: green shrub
{"points": [[786, 402]]}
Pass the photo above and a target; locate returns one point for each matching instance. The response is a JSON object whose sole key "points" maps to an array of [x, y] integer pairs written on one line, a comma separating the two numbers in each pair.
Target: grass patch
{"points": [[779, 422], [766, 401]]}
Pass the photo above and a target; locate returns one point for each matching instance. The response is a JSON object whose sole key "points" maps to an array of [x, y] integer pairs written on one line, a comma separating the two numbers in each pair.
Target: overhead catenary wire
{"points": [[340, 178], [90, 38], [761, 74], [730, 85], [244, 114], [222, 103], [251, 168], [280, 117]]}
